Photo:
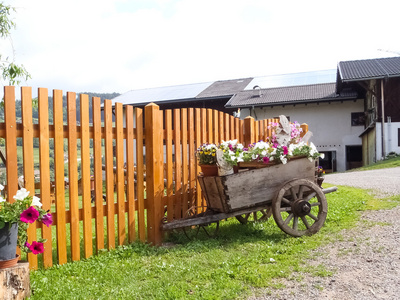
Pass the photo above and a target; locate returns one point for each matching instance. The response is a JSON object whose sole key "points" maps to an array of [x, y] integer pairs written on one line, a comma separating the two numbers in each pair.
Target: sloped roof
{"points": [[290, 95], [369, 69], [223, 88]]}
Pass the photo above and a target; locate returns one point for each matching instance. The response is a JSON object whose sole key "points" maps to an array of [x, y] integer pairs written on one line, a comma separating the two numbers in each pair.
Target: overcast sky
{"points": [[117, 45]]}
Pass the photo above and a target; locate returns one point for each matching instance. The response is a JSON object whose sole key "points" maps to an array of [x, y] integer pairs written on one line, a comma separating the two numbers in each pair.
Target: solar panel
{"points": [[294, 79]]}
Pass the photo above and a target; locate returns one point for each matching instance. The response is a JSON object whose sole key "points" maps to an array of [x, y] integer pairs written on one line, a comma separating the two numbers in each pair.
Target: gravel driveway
{"points": [[366, 262]]}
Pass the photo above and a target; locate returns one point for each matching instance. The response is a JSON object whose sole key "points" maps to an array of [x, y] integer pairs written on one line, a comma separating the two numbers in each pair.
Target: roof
{"points": [[167, 93], [290, 95], [376, 68], [223, 88]]}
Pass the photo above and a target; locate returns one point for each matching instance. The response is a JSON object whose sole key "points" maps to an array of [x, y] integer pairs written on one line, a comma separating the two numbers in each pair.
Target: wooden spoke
{"points": [[305, 222], [309, 197], [293, 192], [315, 204], [289, 208], [288, 219], [285, 201], [300, 193], [312, 216], [295, 222]]}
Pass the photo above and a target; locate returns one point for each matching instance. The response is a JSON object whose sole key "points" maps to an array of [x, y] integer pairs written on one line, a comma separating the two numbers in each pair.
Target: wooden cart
{"points": [[288, 191]]}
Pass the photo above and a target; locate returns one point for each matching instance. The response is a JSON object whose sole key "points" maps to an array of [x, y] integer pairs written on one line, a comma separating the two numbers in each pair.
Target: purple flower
{"points": [[245, 149], [29, 215], [265, 160], [36, 247], [47, 219], [275, 145]]}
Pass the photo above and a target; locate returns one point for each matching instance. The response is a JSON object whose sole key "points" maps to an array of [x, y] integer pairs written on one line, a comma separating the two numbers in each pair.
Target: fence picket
{"points": [[73, 176], [108, 140], [44, 166], [29, 176], [130, 175], [185, 167], [178, 164], [140, 174], [169, 165], [98, 173], [86, 178], [120, 173]]}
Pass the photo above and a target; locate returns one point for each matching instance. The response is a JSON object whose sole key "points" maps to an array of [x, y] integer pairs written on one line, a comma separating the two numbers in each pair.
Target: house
{"points": [[378, 82], [343, 107]]}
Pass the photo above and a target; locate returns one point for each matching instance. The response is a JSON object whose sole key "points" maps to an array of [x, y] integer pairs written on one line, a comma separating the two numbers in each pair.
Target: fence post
{"points": [[248, 131], [154, 172]]}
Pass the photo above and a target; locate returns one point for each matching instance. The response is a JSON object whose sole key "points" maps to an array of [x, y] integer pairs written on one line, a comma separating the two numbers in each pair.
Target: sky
{"points": [[111, 46]]}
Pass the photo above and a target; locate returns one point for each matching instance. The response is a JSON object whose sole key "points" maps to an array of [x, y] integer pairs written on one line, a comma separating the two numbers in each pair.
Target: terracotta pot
{"points": [[9, 263], [209, 170]]}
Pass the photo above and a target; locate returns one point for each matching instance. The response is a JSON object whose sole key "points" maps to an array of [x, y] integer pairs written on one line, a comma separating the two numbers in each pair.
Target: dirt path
{"points": [[366, 262]]}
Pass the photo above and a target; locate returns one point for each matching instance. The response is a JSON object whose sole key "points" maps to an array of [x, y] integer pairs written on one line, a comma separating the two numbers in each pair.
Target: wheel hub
{"points": [[301, 208]]}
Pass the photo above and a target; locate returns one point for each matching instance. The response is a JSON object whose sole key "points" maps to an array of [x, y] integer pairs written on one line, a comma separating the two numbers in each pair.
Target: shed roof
{"points": [[290, 95], [355, 70]]}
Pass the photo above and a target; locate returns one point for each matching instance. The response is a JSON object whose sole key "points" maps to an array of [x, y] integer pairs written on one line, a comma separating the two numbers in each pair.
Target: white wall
{"points": [[391, 139], [330, 124]]}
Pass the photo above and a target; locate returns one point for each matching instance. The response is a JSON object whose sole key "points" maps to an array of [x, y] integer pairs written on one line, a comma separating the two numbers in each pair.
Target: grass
{"points": [[241, 258]]}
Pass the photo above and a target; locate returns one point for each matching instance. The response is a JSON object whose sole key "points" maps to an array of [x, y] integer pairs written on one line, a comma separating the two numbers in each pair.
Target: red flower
{"points": [[47, 219], [36, 247], [285, 150], [265, 160], [29, 215]]}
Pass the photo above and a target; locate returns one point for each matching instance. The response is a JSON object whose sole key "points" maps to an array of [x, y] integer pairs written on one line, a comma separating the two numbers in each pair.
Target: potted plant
{"points": [[207, 159], [14, 221]]}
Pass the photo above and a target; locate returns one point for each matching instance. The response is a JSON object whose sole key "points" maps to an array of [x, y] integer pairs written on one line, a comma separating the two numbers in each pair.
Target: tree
{"points": [[10, 72]]}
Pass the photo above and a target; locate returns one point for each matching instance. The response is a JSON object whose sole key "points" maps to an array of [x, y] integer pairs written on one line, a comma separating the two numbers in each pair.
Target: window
{"points": [[357, 119]]}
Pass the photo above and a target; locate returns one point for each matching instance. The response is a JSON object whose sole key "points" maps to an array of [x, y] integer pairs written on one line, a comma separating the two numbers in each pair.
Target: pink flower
{"points": [[265, 160], [36, 247], [285, 150], [29, 215], [27, 245], [47, 219]]}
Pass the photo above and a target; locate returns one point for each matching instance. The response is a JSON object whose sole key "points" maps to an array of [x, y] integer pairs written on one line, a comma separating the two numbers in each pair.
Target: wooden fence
{"points": [[123, 175]]}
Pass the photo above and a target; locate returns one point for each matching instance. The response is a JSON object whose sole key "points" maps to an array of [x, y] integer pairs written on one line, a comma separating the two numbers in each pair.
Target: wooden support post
{"points": [[248, 131], [15, 282], [154, 172]]}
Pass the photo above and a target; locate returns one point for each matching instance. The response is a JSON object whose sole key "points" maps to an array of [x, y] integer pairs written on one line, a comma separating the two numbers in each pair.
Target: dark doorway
{"points": [[328, 163], [353, 157]]}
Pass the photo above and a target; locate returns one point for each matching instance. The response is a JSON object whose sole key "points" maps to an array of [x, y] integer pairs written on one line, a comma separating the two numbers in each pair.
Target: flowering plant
{"points": [[320, 171], [24, 210], [206, 154], [233, 152]]}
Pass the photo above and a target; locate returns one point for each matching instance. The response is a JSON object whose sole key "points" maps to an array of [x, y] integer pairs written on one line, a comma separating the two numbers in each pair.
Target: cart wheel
{"points": [[193, 231], [300, 208], [244, 218]]}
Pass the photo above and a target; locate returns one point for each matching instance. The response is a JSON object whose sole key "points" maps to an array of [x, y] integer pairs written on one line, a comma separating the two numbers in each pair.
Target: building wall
{"points": [[391, 139], [330, 124]]}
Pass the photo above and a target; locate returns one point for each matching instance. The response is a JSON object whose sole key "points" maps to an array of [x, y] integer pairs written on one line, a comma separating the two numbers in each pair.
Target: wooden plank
{"points": [[169, 164], [98, 173], [198, 131], [203, 124], [185, 166], [209, 130], [215, 127], [15, 282], [140, 174], [120, 174], [178, 164], [192, 158], [86, 180], [232, 127], [130, 175], [108, 141], [11, 142], [237, 132], [226, 127], [44, 165], [29, 177], [221, 129], [73, 176], [155, 167], [59, 176], [260, 185], [241, 131]]}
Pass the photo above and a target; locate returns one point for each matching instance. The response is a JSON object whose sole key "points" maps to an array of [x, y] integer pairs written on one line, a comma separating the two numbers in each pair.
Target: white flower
{"points": [[254, 156], [263, 153], [21, 194], [36, 202], [1, 187], [2, 199], [283, 159], [239, 146], [322, 155]]}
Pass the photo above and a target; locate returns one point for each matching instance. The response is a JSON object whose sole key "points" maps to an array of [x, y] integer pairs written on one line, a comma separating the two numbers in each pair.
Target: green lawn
{"points": [[242, 258]]}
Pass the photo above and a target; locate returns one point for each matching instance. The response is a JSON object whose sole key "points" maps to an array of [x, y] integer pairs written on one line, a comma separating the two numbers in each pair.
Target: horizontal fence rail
{"points": [[111, 174]]}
